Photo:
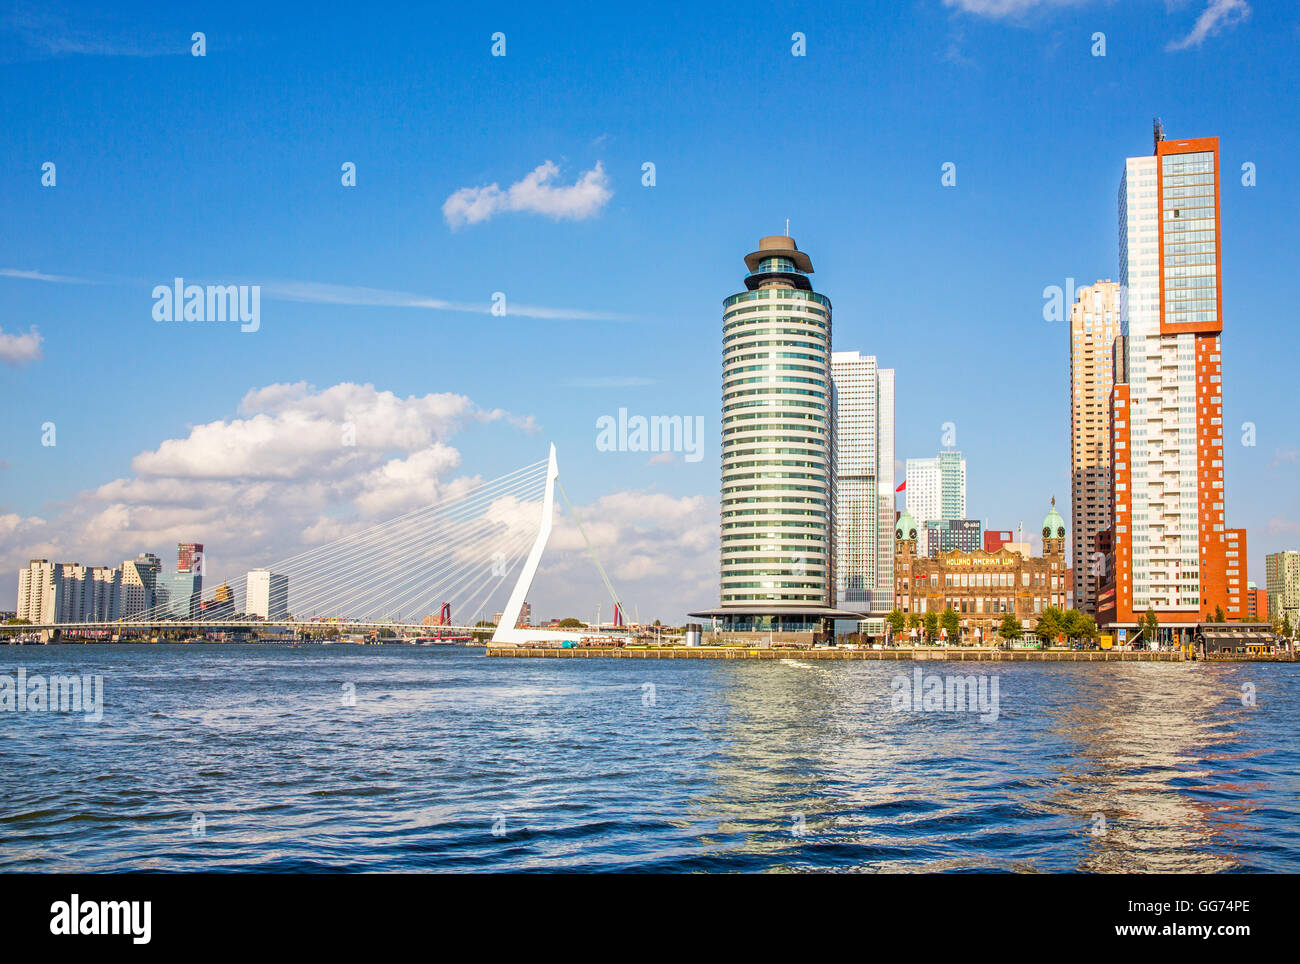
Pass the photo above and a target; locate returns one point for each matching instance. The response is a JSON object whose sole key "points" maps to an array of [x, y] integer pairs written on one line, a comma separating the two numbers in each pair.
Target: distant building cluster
{"points": [[140, 589]]}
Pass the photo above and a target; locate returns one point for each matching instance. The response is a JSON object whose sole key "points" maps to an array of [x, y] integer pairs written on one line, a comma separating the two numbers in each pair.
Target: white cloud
{"points": [[332, 294], [1284, 457], [1282, 526], [660, 551], [533, 193], [20, 349], [294, 432], [45, 32], [1216, 17], [1006, 8], [610, 381], [27, 274]]}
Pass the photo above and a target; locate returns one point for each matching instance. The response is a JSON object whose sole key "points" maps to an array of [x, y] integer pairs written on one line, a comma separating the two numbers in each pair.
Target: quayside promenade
{"points": [[966, 654]]}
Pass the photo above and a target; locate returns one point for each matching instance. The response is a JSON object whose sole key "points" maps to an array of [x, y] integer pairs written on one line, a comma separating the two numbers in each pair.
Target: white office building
{"points": [[936, 491], [266, 594], [864, 474]]}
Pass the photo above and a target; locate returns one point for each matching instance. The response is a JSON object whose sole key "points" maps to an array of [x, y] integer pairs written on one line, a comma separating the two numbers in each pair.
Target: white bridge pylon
{"points": [[506, 633]]}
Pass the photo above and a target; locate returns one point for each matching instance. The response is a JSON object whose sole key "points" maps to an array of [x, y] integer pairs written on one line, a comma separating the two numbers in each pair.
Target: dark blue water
{"points": [[231, 758]]}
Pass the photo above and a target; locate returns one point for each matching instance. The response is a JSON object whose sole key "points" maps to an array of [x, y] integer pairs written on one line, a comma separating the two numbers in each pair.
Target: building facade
{"points": [[778, 483], [139, 581], [189, 557], [1282, 582], [1094, 323], [1256, 603], [995, 539], [1171, 543], [864, 481], [266, 594], [949, 534], [104, 594], [68, 592], [41, 591], [936, 491], [981, 587], [177, 595]]}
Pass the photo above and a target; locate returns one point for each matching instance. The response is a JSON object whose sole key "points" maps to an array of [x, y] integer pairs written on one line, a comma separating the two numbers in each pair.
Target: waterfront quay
{"points": [[958, 654]]}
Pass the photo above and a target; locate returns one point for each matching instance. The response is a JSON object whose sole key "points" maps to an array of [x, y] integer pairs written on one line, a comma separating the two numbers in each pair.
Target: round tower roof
{"points": [[905, 527], [1053, 524]]}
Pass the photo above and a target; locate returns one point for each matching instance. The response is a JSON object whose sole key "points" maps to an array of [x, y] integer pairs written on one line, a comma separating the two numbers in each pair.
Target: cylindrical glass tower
{"points": [[777, 444]]}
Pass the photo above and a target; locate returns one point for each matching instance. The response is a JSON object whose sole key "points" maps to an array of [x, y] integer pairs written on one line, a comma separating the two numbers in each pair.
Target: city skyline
{"points": [[127, 478]]}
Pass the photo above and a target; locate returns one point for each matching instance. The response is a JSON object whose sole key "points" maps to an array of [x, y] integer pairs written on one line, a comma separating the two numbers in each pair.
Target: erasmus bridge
{"points": [[452, 558]]}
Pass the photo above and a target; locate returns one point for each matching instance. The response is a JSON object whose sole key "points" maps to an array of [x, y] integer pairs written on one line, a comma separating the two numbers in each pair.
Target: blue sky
{"points": [[226, 169]]}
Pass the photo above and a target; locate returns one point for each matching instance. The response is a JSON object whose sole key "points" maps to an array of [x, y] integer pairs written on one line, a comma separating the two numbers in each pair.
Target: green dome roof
{"points": [[905, 527], [1053, 525]]}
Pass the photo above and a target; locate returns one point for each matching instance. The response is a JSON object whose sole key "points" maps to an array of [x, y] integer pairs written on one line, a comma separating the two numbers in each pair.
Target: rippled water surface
{"points": [[452, 761]]}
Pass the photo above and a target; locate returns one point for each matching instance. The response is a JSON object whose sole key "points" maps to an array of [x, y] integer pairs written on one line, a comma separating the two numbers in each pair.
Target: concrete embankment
{"points": [[741, 652]]}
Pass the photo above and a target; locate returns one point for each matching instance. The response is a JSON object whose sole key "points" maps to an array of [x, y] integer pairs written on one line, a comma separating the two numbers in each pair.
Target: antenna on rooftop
{"points": [[787, 227]]}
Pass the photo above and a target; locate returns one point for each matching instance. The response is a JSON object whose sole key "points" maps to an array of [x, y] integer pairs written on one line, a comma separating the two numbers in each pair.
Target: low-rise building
{"points": [[982, 587], [995, 539]]}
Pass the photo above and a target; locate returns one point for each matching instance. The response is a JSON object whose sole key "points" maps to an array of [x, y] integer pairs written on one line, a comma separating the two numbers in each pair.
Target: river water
{"points": [[400, 758]]}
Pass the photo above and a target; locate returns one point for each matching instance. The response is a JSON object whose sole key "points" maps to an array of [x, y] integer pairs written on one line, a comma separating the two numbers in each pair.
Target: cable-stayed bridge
{"points": [[452, 561]]}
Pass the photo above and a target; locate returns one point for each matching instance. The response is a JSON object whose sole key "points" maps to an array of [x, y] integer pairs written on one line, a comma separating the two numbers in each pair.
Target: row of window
{"points": [[777, 294]]}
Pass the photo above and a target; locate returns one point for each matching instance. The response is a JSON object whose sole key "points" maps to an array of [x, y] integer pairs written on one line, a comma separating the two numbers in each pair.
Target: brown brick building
{"points": [[982, 586]]}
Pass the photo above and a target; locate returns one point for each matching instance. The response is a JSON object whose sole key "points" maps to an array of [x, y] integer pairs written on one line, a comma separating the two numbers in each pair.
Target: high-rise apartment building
{"points": [[65, 592], [1094, 323], [1281, 582], [139, 580], [1173, 552], [42, 592], [77, 599], [864, 480], [936, 491], [103, 594], [778, 485]]}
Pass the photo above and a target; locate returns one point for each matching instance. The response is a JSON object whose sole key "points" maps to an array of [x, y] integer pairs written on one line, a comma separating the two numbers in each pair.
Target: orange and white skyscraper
{"points": [[1171, 550]]}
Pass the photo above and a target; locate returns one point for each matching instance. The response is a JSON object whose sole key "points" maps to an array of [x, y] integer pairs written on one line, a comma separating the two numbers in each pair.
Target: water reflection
{"points": [[1117, 768]]}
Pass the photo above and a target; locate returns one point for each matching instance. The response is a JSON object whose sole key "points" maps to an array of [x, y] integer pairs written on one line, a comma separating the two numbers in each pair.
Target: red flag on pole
{"points": [[902, 487]]}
